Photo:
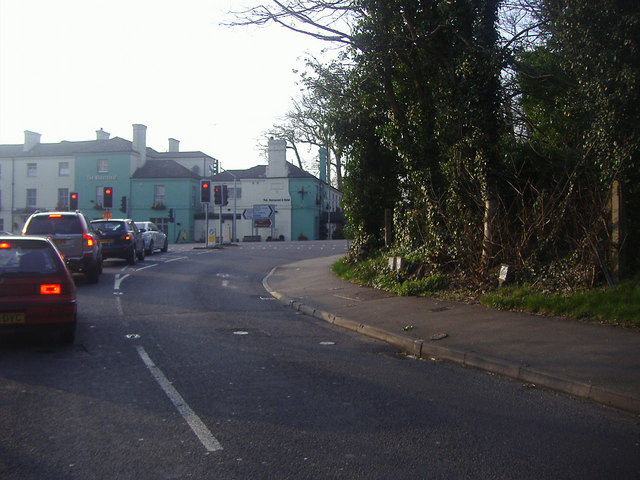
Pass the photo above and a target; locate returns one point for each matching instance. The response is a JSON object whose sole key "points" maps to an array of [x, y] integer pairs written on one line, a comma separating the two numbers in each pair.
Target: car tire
{"points": [[93, 272], [131, 256], [140, 254], [165, 247], [150, 250], [67, 334]]}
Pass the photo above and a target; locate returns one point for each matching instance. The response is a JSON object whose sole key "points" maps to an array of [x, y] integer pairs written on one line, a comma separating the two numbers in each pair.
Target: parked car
{"points": [[120, 238], [75, 238], [153, 237], [37, 289]]}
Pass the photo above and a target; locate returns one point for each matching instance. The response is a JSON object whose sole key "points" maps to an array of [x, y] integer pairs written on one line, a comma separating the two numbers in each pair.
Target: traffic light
{"points": [[73, 201], [205, 191], [123, 204], [107, 197], [171, 216], [217, 198], [225, 196]]}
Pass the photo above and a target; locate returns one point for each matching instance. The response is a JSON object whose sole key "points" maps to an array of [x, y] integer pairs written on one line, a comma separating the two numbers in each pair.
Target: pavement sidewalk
{"points": [[596, 362]]}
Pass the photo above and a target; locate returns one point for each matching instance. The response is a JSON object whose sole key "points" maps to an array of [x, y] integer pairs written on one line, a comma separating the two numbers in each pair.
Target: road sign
{"points": [[264, 216], [247, 214], [263, 211], [262, 222]]}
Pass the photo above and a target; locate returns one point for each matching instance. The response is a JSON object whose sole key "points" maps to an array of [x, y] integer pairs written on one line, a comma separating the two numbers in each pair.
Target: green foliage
{"points": [[374, 272], [489, 150], [421, 287]]}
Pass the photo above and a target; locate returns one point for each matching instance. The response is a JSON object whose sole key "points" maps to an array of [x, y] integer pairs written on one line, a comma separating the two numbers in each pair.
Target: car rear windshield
{"points": [[27, 258], [109, 226], [52, 225]]}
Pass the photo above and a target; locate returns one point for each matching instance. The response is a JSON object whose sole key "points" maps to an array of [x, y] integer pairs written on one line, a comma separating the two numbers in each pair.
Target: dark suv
{"points": [[120, 238], [75, 238]]}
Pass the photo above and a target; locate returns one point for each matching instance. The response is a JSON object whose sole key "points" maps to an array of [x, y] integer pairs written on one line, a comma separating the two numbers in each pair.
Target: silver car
{"points": [[75, 238], [154, 238]]}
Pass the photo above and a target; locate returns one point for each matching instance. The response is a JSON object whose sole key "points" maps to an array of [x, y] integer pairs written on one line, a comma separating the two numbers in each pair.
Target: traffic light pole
{"points": [[206, 233], [220, 217]]}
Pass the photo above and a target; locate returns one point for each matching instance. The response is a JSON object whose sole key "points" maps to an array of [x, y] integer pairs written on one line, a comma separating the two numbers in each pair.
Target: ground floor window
{"points": [[63, 198], [32, 197], [162, 223]]}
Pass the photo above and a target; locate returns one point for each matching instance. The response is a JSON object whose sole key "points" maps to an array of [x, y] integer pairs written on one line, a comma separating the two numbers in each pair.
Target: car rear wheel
{"points": [[140, 254], [151, 247], [165, 247], [131, 256], [93, 272], [67, 334]]}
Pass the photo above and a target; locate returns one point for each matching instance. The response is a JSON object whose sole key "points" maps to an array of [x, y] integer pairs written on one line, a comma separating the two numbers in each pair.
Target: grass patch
{"points": [[619, 305]]}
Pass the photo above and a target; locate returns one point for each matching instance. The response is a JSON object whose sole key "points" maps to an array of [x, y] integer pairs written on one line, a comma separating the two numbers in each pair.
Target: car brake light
{"points": [[5, 245], [126, 236], [50, 289], [55, 215], [88, 239]]}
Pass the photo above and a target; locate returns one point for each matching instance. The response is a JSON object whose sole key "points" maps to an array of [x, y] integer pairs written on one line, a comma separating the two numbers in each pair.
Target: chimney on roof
{"points": [[140, 143], [277, 158], [174, 145], [102, 135], [31, 139]]}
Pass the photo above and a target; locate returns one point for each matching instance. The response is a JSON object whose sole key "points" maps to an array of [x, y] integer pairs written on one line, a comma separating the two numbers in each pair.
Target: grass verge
{"points": [[617, 306]]}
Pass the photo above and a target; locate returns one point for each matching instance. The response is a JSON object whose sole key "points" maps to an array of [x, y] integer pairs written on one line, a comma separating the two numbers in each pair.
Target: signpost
{"points": [[264, 216]]}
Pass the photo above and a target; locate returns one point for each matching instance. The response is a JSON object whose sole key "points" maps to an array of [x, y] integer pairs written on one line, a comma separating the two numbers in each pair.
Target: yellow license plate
{"points": [[61, 242], [11, 318], [104, 242]]}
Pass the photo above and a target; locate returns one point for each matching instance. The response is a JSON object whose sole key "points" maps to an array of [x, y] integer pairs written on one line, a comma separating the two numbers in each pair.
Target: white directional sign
{"points": [[263, 211], [263, 216]]}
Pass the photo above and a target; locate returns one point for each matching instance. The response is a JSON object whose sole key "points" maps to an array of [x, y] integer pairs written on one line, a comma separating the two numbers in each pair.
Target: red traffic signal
{"points": [[205, 191], [107, 197], [73, 201]]}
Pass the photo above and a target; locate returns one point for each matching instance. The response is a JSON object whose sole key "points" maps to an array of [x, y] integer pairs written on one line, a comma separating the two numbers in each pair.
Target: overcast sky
{"points": [[71, 67]]}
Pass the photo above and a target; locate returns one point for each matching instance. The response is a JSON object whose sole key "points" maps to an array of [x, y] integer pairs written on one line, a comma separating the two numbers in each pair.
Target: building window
{"points": [[32, 197], [63, 198], [232, 192], [103, 165], [0, 203], [1, 223], [32, 169], [158, 196], [63, 169], [99, 195], [162, 223], [193, 196]]}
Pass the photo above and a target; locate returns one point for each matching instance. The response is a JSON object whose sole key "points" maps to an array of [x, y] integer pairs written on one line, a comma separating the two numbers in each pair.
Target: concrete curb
{"points": [[505, 368]]}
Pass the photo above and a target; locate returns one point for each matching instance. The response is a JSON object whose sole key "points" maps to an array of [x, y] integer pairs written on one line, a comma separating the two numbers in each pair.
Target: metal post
{"points": [[206, 233], [235, 194]]}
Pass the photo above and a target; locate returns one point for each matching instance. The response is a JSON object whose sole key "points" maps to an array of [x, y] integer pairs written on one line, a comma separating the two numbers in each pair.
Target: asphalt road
{"points": [[184, 367]]}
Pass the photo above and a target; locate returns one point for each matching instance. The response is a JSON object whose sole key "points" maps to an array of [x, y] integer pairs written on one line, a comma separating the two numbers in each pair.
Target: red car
{"points": [[36, 289]]}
